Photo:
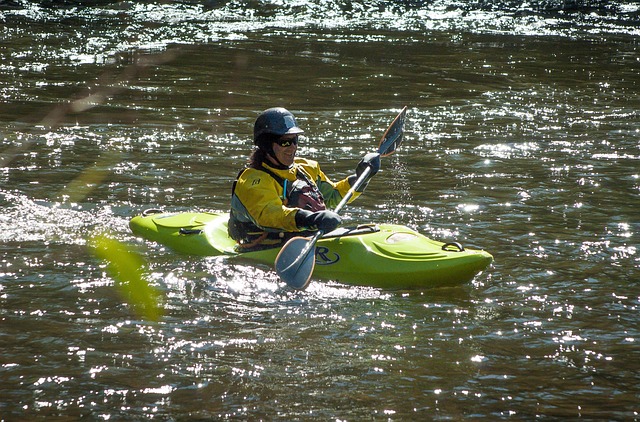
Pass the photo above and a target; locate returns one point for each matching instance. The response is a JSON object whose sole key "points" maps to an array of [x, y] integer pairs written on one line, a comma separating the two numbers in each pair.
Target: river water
{"points": [[523, 138]]}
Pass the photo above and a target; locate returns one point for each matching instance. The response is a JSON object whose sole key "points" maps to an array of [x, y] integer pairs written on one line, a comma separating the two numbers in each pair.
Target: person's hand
{"points": [[321, 220], [371, 160]]}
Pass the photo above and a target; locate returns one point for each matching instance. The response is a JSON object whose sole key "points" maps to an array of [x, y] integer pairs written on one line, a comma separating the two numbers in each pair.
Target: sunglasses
{"points": [[285, 142]]}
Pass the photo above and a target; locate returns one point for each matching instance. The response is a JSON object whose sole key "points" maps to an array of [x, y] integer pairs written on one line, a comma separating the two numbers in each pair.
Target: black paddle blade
{"points": [[394, 134], [296, 261]]}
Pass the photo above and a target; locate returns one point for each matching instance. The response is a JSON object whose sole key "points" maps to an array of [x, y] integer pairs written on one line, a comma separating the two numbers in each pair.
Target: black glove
{"points": [[321, 220], [371, 160]]}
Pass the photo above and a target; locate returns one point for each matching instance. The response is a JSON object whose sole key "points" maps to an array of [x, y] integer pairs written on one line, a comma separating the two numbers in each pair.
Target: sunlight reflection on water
{"points": [[521, 139]]}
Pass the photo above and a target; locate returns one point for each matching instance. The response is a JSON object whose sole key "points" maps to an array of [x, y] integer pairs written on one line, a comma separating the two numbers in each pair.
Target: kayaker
{"points": [[280, 195]]}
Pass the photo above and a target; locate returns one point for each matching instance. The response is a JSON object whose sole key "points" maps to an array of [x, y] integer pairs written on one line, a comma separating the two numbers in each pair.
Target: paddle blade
{"points": [[394, 134], [295, 262]]}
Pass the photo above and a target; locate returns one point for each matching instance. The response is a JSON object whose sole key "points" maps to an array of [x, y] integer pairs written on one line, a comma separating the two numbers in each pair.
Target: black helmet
{"points": [[276, 121]]}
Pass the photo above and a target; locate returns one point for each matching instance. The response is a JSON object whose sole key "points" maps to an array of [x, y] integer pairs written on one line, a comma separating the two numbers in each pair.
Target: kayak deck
{"points": [[382, 255]]}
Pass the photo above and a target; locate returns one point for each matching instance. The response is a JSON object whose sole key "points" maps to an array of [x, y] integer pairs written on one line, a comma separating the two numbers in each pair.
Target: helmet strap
{"points": [[279, 165]]}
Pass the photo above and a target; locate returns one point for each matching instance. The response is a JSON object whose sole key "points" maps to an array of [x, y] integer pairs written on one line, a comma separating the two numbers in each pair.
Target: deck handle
{"points": [[190, 231], [458, 246]]}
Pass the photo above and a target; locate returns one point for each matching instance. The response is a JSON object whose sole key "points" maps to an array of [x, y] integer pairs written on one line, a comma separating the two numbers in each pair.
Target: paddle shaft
{"points": [[359, 182]]}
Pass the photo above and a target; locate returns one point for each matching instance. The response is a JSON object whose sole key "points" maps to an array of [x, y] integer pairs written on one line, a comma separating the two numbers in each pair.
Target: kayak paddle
{"points": [[295, 262]]}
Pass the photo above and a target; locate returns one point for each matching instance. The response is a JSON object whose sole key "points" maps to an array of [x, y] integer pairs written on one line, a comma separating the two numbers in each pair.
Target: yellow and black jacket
{"points": [[263, 208]]}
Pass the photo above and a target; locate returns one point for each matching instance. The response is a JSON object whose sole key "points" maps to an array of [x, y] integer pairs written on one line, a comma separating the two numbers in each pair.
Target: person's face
{"points": [[285, 149]]}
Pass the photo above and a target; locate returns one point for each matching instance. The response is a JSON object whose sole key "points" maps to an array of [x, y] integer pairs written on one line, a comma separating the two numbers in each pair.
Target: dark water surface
{"points": [[523, 138]]}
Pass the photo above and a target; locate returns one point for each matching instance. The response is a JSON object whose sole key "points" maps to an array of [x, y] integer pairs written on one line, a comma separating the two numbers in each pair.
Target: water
{"points": [[522, 139]]}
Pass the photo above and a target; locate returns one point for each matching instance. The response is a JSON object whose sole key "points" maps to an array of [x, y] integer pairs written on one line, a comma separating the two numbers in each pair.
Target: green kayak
{"points": [[377, 255]]}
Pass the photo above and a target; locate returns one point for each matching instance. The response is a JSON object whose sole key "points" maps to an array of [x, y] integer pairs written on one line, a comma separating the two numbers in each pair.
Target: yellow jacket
{"points": [[258, 197]]}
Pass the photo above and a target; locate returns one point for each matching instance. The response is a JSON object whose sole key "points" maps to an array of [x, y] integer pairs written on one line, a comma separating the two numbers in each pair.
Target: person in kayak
{"points": [[280, 195]]}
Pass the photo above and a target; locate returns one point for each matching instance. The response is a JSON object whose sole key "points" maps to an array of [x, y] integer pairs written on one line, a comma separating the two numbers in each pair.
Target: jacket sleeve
{"points": [[261, 195]]}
